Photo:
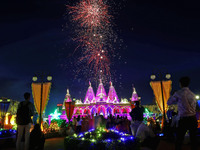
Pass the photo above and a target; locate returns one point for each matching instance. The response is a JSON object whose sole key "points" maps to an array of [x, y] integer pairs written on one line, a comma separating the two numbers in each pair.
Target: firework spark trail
{"points": [[93, 32], [90, 13]]}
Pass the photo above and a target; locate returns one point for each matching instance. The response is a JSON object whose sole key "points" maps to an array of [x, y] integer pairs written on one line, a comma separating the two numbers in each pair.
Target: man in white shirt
{"points": [[187, 113]]}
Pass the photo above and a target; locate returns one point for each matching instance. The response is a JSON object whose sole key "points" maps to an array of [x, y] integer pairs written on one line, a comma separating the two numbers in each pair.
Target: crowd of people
{"points": [[145, 131], [86, 123]]}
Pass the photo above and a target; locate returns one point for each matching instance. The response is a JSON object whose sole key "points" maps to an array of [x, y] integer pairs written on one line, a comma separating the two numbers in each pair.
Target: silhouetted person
{"points": [[36, 139], [97, 121], [187, 113], [78, 124], [137, 117], [24, 112]]}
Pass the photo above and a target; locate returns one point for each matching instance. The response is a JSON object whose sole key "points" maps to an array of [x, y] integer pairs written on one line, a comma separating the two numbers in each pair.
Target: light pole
{"points": [[160, 78], [49, 78]]}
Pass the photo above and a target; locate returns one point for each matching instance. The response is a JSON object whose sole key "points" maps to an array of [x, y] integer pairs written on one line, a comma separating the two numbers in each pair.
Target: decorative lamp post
{"points": [[41, 96], [69, 106], [163, 87]]}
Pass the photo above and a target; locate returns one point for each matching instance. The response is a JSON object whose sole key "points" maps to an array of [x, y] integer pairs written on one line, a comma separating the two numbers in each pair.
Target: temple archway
{"points": [[125, 110], [109, 111], [101, 110], [93, 111], [116, 110], [86, 111]]}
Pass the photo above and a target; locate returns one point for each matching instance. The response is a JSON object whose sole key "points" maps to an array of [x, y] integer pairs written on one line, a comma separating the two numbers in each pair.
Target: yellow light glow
{"points": [[49, 78], [6, 119], [12, 120], [34, 78]]}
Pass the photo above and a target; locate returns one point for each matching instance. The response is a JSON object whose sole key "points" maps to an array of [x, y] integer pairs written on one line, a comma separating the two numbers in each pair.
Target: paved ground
{"points": [[58, 144], [54, 144], [164, 145], [50, 144]]}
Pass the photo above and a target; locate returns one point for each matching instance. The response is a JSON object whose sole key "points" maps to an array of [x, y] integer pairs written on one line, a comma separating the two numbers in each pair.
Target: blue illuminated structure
{"points": [[198, 102], [7, 133]]}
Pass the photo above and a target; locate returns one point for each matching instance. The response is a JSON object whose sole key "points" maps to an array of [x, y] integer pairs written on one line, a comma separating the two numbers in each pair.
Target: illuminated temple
{"points": [[101, 103]]}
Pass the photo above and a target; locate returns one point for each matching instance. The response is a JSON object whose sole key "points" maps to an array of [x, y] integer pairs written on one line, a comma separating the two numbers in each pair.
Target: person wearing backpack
{"points": [[137, 117], [24, 112]]}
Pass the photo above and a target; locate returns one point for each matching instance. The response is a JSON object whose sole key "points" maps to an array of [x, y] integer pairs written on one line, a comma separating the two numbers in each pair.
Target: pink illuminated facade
{"points": [[101, 103]]}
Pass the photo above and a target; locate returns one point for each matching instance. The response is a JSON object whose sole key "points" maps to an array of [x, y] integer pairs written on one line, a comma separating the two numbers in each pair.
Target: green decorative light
{"points": [[75, 135], [1, 100], [93, 140], [8, 100], [146, 111], [82, 138], [55, 115]]}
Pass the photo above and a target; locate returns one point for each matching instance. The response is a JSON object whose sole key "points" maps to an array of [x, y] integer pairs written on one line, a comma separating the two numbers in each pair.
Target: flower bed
{"points": [[101, 139]]}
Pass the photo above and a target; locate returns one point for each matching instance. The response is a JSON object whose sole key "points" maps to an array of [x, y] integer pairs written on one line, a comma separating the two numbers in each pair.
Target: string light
{"points": [[98, 134]]}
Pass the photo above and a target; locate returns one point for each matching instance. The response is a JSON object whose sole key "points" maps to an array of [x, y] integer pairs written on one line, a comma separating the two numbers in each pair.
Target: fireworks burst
{"points": [[93, 34], [90, 13]]}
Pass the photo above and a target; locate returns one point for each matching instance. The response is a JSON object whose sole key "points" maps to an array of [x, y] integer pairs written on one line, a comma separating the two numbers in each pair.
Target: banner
{"points": [[36, 90], [166, 86], [69, 108]]}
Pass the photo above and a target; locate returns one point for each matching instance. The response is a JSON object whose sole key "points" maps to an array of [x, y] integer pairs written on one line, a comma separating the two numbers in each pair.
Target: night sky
{"points": [[157, 36]]}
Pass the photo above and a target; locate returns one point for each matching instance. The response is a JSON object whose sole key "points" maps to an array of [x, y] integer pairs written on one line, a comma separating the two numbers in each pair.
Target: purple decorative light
{"points": [[102, 104]]}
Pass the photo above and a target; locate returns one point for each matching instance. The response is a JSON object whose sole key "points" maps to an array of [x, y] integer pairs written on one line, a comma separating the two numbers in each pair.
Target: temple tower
{"points": [[112, 95], [134, 95], [90, 96], [101, 93]]}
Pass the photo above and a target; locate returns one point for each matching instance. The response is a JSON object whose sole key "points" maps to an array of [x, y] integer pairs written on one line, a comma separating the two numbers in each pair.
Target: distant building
{"points": [[8, 110], [8, 106], [101, 103]]}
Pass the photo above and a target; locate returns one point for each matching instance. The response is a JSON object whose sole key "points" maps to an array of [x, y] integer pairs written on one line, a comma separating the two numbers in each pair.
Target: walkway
{"points": [[54, 144], [58, 144], [50, 144]]}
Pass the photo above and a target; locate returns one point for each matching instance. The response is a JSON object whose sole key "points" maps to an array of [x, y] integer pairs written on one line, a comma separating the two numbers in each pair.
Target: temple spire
{"points": [[110, 83], [134, 95], [101, 93], [100, 81], [68, 92], [67, 97], [112, 95], [90, 96]]}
